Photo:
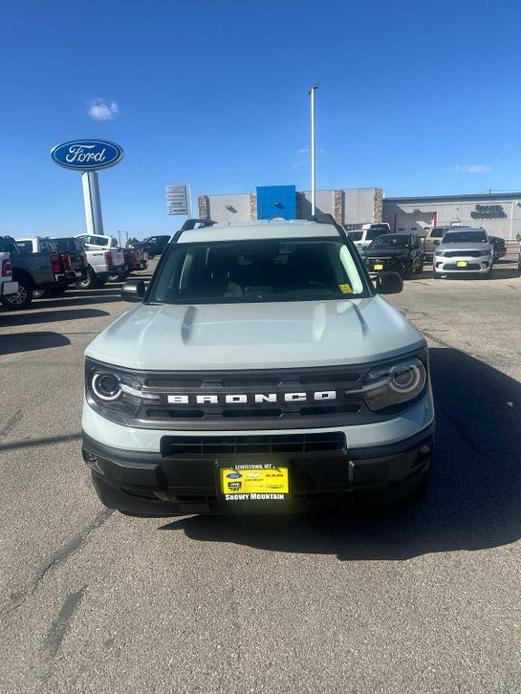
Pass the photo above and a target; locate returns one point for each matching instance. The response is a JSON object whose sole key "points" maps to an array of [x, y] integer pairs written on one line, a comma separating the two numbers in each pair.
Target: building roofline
{"points": [[452, 198]]}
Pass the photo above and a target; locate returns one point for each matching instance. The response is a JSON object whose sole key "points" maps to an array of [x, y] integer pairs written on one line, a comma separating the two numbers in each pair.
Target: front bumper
{"points": [[376, 265], [146, 483], [7, 288], [130, 473], [462, 265]]}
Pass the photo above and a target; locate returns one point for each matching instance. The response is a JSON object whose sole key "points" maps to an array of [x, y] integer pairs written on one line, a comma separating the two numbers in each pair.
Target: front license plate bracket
{"points": [[259, 481]]}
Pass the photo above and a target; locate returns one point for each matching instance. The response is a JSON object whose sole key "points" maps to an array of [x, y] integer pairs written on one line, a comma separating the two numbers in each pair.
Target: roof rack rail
{"points": [[192, 223], [327, 218]]}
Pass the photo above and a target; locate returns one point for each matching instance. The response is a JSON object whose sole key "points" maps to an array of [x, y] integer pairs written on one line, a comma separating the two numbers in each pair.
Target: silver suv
{"points": [[260, 370], [464, 251]]}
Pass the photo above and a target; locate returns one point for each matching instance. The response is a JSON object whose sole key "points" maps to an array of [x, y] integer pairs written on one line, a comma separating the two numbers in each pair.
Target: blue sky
{"points": [[415, 97]]}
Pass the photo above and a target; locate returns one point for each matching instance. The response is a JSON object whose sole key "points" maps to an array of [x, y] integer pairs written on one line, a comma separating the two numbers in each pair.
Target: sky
{"points": [[419, 98]]}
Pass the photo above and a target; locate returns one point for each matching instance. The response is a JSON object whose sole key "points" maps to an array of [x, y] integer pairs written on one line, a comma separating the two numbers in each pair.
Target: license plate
{"points": [[261, 482], [378, 267], [462, 263]]}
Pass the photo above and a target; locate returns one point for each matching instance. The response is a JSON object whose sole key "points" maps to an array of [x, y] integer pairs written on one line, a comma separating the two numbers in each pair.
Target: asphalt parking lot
{"points": [[423, 598]]}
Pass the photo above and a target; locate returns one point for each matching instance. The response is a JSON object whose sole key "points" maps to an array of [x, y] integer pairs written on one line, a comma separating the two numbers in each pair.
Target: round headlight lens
{"points": [[106, 386], [395, 384]]}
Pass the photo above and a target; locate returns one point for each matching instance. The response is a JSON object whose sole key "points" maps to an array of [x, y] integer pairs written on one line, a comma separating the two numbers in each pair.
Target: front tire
{"points": [[23, 297]]}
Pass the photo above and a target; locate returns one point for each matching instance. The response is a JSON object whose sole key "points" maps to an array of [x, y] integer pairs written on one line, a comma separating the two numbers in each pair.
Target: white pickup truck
{"points": [[104, 257], [7, 286]]}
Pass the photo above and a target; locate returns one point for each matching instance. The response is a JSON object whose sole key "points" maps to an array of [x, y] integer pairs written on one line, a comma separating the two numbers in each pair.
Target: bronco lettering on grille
{"points": [[250, 398]]}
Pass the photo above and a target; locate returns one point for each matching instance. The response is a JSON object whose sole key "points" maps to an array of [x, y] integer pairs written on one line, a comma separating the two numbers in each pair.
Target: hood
{"points": [[485, 247], [387, 252], [255, 336]]}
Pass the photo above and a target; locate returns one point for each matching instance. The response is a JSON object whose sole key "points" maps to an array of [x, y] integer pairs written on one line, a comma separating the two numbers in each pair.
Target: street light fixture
{"points": [[311, 93]]}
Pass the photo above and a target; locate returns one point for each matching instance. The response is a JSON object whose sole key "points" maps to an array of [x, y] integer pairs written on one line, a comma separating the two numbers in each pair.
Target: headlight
{"points": [[114, 390], [106, 386], [395, 384], [439, 253]]}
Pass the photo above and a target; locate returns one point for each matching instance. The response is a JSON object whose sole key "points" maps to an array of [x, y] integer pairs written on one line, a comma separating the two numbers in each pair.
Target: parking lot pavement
{"points": [[421, 598]]}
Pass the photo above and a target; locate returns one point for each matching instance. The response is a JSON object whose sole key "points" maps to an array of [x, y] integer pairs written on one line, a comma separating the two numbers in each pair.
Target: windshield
{"points": [[355, 235], [465, 237], [391, 241], [437, 233], [256, 271]]}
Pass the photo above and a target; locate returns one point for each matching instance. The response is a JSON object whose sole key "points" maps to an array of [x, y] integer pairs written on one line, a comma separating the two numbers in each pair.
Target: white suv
{"points": [[364, 237]]}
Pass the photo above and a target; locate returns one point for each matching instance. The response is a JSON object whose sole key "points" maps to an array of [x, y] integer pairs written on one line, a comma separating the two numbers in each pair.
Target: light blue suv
{"points": [[259, 371]]}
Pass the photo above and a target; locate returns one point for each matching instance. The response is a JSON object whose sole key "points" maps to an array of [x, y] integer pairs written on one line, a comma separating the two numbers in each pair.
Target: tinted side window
{"points": [[47, 246], [374, 234], [25, 246]]}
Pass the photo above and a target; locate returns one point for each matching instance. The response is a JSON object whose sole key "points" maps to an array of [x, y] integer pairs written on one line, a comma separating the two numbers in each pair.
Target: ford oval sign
{"points": [[87, 155]]}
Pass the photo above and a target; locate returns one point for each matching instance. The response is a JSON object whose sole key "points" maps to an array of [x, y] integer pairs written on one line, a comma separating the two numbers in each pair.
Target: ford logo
{"points": [[233, 475], [87, 155]]}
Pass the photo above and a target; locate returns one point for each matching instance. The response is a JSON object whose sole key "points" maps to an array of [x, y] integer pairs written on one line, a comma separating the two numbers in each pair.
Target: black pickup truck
{"points": [[46, 270]]}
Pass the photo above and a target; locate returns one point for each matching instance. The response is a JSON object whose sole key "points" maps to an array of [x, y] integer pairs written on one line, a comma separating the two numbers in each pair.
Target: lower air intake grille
{"points": [[215, 446]]}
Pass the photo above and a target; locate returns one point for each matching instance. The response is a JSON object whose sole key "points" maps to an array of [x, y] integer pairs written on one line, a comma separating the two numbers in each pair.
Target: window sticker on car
{"points": [[345, 288]]}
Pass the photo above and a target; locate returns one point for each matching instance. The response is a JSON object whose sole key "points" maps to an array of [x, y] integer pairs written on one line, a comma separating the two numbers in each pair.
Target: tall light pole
{"points": [[311, 92]]}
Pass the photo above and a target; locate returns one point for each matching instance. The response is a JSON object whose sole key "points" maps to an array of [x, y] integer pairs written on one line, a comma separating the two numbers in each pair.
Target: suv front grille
{"points": [[182, 446], [256, 399], [470, 266], [291, 399], [463, 254]]}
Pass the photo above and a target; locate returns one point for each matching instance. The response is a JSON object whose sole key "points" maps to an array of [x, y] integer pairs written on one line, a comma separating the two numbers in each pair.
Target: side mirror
{"points": [[518, 238], [133, 290], [389, 283]]}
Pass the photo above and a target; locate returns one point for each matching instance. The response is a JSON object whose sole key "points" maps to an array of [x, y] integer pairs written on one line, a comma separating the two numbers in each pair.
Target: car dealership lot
{"points": [[424, 598]]}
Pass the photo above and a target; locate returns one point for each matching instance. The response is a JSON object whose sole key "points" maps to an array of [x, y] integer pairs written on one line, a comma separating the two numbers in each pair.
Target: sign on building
{"points": [[178, 200]]}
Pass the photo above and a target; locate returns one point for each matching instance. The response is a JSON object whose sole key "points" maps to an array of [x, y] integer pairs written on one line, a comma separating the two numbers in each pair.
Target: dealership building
{"points": [[498, 213]]}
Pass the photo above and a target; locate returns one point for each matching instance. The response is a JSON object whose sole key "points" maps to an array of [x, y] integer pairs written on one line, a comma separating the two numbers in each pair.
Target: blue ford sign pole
{"points": [[88, 156]]}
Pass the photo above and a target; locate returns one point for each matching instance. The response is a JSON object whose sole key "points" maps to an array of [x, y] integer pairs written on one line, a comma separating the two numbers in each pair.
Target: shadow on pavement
{"points": [[26, 342], [67, 300], [30, 318], [36, 443], [473, 502], [503, 273]]}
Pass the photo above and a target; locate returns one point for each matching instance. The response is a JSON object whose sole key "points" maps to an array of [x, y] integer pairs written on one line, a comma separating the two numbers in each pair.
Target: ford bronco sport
{"points": [[259, 370]]}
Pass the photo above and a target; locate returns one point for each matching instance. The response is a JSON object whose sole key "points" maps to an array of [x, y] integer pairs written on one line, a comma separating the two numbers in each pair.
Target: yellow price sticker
{"points": [[345, 288]]}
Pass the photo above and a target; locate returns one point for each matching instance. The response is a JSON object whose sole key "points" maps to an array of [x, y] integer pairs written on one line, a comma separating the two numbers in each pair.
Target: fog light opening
{"points": [[91, 461]]}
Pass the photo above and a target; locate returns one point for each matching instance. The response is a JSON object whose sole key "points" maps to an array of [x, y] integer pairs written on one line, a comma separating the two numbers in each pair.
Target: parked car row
{"points": [[453, 250], [43, 266]]}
